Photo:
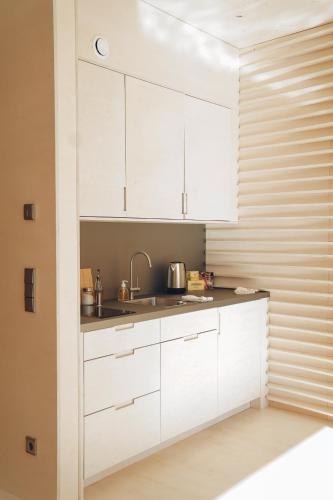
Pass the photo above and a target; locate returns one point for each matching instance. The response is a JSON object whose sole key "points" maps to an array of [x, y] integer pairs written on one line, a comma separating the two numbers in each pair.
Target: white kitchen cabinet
{"points": [[189, 394], [118, 433], [243, 330], [151, 381], [210, 170], [181, 325], [111, 380], [154, 151], [148, 152], [120, 338], [101, 141]]}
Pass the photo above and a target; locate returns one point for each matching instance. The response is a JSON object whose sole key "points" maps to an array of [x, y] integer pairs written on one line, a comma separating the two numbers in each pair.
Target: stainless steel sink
{"points": [[158, 301]]}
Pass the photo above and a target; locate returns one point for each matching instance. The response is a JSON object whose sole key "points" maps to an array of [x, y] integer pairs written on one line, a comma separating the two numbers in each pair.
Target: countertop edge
{"points": [[146, 315]]}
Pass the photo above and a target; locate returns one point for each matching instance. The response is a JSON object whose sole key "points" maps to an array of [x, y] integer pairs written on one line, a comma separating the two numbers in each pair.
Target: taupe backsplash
{"points": [[110, 245]]}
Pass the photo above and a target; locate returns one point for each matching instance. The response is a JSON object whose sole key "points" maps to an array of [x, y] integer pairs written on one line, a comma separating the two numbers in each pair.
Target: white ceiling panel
{"points": [[247, 22]]}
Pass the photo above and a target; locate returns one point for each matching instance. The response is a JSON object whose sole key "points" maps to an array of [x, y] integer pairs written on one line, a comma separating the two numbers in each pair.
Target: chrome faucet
{"points": [[137, 288]]}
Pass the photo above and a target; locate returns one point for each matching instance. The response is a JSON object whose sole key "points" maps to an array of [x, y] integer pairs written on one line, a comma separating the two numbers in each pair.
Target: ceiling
{"points": [[247, 22]]}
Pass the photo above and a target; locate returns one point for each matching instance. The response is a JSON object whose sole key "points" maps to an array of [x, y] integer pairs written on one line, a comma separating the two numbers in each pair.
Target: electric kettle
{"points": [[176, 277]]}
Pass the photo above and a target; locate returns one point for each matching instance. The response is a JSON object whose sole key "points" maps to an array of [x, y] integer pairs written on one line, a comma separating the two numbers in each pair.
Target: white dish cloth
{"points": [[195, 298], [240, 290]]}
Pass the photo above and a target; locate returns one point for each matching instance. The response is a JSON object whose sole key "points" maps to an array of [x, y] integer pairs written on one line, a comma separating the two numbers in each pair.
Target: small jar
{"points": [[87, 296]]}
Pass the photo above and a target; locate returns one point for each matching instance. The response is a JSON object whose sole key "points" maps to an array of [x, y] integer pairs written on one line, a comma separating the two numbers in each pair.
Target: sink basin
{"points": [[158, 301]]}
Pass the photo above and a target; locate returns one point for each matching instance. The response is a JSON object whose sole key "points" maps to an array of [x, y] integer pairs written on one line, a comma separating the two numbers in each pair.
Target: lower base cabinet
{"points": [[115, 434], [189, 394], [171, 376], [242, 334]]}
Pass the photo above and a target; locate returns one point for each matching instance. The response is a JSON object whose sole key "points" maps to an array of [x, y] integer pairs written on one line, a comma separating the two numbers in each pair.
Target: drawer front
{"points": [[114, 435], [245, 317], [120, 338], [174, 327], [115, 379]]}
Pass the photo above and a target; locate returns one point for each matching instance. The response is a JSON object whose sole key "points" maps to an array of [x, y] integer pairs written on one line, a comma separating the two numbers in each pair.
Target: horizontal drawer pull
{"points": [[125, 405], [123, 327], [124, 354], [191, 337]]}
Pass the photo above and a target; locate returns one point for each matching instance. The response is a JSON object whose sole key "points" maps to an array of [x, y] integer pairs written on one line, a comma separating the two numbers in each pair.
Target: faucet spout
{"points": [[137, 288]]}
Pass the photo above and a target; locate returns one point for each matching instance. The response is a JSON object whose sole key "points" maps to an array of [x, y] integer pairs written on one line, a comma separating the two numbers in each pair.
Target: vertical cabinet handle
{"points": [[125, 199], [185, 203]]}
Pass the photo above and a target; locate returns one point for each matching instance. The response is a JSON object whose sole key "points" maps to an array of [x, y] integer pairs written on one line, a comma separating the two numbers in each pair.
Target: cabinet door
{"points": [[188, 383], [101, 141], [210, 170], [241, 340], [154, 151]]}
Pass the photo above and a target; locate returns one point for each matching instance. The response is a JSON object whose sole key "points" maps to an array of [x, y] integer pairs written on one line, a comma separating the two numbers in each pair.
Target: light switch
{"points": [[29, 275], [29, 289], [29, 304], [29, 211]]}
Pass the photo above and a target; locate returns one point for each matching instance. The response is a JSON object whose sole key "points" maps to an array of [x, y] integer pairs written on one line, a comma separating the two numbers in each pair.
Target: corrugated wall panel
{"points": [[284, 239]]}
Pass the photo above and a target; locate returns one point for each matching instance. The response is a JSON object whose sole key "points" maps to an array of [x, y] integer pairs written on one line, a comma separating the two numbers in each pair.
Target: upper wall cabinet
{"points": [[101, 141], [154, 151], [210, 177], [147, 152]]}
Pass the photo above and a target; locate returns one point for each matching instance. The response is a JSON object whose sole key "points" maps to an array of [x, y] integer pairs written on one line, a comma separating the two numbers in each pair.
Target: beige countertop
{"points": [[222, 297]]}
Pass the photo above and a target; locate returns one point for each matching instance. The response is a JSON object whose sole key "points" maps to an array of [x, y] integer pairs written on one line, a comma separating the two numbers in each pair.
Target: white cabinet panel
{"points": [[111, 380], [116, 434], [189, 395], [210, 170], [101, 141], [242, 334], [180, 325], [154, 151], [154, 46], [120, 338]]}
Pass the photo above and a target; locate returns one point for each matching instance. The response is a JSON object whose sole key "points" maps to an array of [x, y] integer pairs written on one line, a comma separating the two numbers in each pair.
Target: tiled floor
{"points": [[268, 454]]}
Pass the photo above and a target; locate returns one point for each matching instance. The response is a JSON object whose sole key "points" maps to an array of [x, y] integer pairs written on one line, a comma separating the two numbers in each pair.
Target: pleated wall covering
{"points": [[284, 239]]}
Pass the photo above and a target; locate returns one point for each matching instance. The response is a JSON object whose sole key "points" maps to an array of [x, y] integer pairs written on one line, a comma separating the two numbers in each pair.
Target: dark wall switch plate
{"points": [[29, 275], [29, 304], [29, 289], [31, 445], [29, 211]]}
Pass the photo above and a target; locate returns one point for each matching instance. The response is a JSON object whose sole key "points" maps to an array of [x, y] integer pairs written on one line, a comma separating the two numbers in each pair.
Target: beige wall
{"points": [[28, 341], [283, 241]]}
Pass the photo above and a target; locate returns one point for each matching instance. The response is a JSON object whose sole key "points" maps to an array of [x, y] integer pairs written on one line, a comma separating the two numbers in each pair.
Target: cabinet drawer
{"points": [[114, 435], [181, 325], [114, 379], [120, 338], [246, 317]]}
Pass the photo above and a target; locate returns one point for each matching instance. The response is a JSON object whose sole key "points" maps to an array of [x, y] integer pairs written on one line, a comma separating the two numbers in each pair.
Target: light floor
{"points": [[266, 454]]}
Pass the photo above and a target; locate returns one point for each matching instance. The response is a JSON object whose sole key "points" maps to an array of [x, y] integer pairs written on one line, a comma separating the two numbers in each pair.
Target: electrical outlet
{"points": [[31, 445]]}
